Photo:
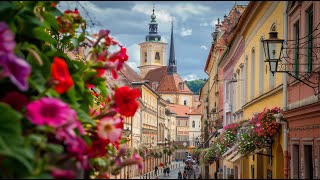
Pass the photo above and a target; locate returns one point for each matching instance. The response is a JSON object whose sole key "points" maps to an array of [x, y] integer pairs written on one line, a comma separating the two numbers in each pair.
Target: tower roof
{"points": [[153, 29], [172, 68]]}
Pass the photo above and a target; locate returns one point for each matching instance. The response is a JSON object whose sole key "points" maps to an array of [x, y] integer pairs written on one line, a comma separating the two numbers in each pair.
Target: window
{"points": [[261, 65], [310, 29], [185, 102], [252, 73], [193, 124], [145, 56], [186, 123], [296, 162], [157, 56], [178, 123], [296, 57], [308, 162], [168, 101]]}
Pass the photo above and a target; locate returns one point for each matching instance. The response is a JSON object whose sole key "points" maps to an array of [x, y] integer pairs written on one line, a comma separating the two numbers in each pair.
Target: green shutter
{"points": [[297, 50]]}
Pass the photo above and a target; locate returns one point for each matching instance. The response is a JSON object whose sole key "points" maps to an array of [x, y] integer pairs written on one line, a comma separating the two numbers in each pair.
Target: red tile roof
{"points": [[167, 83], [130, 74], [180, 110], [196, 111]]}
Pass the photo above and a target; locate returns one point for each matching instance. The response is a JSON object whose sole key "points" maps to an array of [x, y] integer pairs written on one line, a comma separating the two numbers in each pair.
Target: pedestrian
{"points": [[168, 171], [156, 170], [200, 177], [194, 174], [179, 175], [184, 174], [164, 171]]}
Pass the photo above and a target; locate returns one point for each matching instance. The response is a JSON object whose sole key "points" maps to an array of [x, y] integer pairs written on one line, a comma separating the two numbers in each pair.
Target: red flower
{"points": [[11, 99], [125, 99], [60, 73]]}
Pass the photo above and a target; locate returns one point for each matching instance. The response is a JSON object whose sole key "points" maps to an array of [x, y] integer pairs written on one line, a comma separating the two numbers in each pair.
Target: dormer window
{"points": [[168, 101], [185, 102], [155, 85], [181, 85]]}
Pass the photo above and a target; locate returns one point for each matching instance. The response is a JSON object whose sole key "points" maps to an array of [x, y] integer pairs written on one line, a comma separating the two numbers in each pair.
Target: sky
{"points": [[128, 21]]}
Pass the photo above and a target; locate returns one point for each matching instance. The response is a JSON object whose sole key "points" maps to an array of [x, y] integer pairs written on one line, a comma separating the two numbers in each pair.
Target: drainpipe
{"points": [[285, 135]]}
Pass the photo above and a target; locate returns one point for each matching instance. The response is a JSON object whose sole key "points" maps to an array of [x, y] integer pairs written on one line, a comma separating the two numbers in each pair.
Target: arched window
{"points": [[185, 102], [168, 101], [193, 124], [252, 73], [145, 56], [261, 67], [157, 56]]}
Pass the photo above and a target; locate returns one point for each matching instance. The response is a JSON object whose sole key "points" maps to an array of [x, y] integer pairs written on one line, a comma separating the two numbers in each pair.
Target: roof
{"points": [[130, 74], [229, 24], [168, 83], [196, 111], [180, 110]]}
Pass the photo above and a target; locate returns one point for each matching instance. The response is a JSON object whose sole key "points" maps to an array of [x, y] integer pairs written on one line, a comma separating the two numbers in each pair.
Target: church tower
{"points": [[152, 51]]}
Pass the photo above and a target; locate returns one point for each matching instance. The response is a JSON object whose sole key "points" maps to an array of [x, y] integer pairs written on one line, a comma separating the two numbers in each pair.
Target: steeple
{"points": [[153, 29], [172, 68]]}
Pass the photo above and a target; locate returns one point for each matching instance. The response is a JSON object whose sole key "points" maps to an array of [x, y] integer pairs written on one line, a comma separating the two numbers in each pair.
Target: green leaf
{"points": [[11, 141], [81, 37], [40, 34], [103, 89], [51, 20], [56, 148], [75, 42], [84, 117]]}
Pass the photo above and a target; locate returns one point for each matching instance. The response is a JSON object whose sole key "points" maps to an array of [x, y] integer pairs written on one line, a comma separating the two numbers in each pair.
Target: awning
{"points": [[232, 155], [230, 150], [236, 157]]}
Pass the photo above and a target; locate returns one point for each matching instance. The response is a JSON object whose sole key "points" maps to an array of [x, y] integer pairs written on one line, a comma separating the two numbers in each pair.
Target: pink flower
{"points": [[110, 129], [103, 33], [62, 174], [7, 43], [136, 157], [16, 68], [50, 111]]}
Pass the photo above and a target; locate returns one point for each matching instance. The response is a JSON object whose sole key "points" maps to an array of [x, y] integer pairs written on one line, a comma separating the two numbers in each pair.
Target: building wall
{"points": [[261, 18], [188, 98], [171, 97], [151, 48], [194, 132]]}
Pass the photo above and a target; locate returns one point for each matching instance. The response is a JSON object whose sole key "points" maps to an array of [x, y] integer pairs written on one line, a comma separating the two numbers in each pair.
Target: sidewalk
{"points": [[174, 165]]}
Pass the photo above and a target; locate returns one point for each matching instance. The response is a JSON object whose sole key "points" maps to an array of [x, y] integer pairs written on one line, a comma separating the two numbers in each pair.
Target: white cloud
{"points": [[190, 77], [133, 52], [204, 24], [214, 22], [204, 47], [186, 32]]}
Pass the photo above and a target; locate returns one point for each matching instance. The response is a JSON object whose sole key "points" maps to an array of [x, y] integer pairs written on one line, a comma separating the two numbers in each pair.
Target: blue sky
{"points": [[128, 22]]}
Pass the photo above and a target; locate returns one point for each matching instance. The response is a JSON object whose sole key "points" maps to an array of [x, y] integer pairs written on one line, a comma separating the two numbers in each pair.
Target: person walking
{"points": [[164, 171], [156, 170], [168, 171], [179, 175], [184, 175]]}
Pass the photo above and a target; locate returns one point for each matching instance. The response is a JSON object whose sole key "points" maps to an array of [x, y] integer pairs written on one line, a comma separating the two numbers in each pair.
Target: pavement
{"points": [[173, 172]]}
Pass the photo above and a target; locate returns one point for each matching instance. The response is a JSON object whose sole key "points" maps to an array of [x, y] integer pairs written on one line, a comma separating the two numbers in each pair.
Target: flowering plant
{"points": [[261, 128], [59, 116], [211, 154]]}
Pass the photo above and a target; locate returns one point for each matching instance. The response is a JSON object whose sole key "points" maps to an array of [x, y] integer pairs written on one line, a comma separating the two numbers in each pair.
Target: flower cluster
{"points": [[59, 115]]}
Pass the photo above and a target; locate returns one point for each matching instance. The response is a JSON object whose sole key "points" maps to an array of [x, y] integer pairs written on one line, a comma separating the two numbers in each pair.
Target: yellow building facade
{"points": [[262, 89]]}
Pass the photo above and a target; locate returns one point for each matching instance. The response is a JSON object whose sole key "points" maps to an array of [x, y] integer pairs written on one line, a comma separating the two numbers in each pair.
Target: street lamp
{"points": [[272, 49]]}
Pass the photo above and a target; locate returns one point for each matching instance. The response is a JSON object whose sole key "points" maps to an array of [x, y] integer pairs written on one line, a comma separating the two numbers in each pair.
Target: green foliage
{"points": [[195, 85]]}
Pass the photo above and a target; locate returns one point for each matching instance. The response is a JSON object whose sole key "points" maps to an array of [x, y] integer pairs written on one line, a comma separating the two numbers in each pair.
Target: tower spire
{"points": [[153, 29], [172, 68]]}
